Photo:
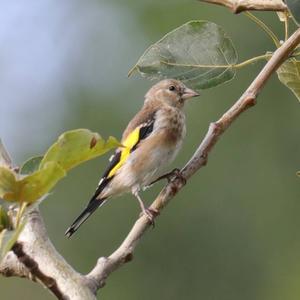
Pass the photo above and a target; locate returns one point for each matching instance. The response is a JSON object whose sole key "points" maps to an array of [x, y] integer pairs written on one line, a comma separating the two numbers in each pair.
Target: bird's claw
{"points": [[151, 214], [176, 173]]}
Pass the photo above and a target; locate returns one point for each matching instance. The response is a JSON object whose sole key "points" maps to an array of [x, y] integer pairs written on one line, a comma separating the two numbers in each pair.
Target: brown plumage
{"points": [[151, 141]]}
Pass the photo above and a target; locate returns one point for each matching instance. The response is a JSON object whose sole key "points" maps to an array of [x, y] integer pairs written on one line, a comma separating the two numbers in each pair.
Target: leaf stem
{"points": [[235, 66], [264, 27], [20, 213], [252, 60], [286, 25]]}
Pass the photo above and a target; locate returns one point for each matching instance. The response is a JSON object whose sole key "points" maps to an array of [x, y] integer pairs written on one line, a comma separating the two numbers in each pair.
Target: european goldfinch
{"points": [[150, 142]]}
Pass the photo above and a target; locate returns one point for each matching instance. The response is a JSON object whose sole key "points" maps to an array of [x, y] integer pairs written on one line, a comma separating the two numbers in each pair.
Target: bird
{"points": [[150, 142]]}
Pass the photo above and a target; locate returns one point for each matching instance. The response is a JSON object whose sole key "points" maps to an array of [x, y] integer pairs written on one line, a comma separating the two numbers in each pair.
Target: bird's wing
{"points": [[142, 128], [130, 143]]}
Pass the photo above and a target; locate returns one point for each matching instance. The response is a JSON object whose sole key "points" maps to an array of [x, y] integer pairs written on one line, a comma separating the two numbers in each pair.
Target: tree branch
{"points": [[237, 6], [33, 255], [124, 253]]}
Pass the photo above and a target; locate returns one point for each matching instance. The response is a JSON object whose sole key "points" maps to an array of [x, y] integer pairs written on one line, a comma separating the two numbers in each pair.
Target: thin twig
{"points": [[4, 156], [264, 27], [286, 25], [237, 6]]}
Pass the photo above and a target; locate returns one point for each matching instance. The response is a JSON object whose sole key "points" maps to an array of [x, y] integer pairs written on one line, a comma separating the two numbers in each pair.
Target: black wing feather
{"points": [[145, 131]]}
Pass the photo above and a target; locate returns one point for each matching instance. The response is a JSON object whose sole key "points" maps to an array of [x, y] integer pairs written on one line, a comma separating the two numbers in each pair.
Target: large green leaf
{"points": [[32, 187], [76, 146], [192, 53], [42, 173], [39, 183], [294, 7], [289, 74], [8, 183]]}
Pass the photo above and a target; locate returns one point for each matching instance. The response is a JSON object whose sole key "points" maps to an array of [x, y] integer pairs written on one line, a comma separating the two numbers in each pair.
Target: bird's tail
{"points": [[91, 207]]}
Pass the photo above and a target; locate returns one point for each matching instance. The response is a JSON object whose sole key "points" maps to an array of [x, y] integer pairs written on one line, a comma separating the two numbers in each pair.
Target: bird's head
{"points": [[171, 92]]}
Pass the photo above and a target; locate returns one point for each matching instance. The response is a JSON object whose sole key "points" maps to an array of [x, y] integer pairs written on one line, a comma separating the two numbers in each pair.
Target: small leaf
{"points": [[298, 173], [8, 183], [289, 74], [31, 165], [4, 219], [8, 239], [76, 146], [294, 7], [36, 185], [184, 52]]}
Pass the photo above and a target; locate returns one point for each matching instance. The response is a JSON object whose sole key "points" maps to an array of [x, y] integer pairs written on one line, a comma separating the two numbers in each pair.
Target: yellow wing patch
{"points": [[128, 144]]}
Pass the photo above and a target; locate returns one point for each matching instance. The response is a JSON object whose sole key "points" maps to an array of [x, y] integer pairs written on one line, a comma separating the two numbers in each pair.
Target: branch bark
{"points": [[34, 257], [237, 6]]}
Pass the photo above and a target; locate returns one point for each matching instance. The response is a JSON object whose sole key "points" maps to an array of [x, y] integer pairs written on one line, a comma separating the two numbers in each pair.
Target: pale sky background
{"points": [[46, 48]]}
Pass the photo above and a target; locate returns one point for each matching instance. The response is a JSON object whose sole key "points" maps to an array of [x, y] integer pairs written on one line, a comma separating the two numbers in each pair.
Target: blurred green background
{"points": [[233, 232]]}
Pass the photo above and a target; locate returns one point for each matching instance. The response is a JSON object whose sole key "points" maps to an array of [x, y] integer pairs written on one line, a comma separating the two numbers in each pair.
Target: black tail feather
{"points": [[91, 207]]}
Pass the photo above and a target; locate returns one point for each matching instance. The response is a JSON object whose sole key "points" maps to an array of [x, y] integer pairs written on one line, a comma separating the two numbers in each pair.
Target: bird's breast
{"points": [[170, 122]]}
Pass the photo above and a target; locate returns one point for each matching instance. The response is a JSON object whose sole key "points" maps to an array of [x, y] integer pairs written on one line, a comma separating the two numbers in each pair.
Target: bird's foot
{"points": [[151, 214], [176, 173]]}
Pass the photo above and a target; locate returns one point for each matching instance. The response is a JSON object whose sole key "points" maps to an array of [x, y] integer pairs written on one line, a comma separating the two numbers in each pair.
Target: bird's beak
{"points": [[189, 93]]}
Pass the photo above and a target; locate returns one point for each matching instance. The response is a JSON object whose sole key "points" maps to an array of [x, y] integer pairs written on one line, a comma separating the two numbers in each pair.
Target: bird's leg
{"points": [[149, 212], [169, 176]]}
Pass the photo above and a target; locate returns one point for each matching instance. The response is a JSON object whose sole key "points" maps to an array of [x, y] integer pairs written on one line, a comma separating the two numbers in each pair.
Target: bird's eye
{"points": [[172, 88]]}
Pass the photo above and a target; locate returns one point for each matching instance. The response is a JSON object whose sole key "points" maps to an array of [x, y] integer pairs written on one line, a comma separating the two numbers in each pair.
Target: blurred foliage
{"points": [[289, 74], [5, 222], [232, 233], [8, 237], [71, 149], [41, 174], [294, 7], [31, 165]]}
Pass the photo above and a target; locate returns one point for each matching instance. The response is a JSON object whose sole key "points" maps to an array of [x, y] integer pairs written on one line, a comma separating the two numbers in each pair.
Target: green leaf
{"points": [[76, 146], [4, 219], [8, 239], [294, 7], [32, 187], [31, 165], [8, 183], [184, 52], [289, 74], [39, 183], [42, 173]]}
